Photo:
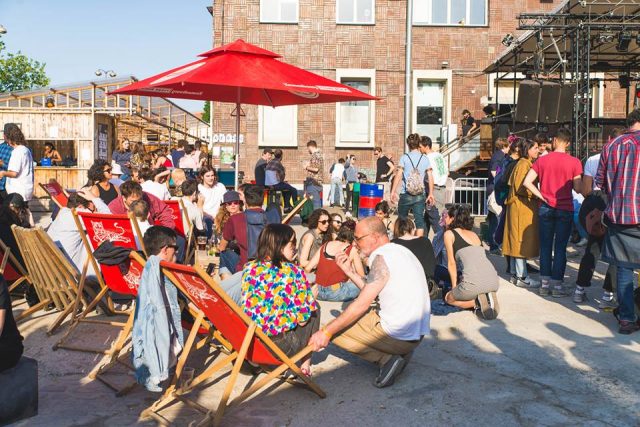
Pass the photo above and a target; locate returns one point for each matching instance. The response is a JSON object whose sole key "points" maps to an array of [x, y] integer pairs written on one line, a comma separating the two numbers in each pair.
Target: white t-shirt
{"points": [[21, 162], [338, 171], [591, 169], [193, 214], [439, 168], [159, 190], [212, 198], [405, 307]]}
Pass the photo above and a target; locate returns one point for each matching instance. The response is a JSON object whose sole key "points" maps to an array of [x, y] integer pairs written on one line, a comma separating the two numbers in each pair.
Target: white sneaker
{"points": [[579, 297], [582, 243]]}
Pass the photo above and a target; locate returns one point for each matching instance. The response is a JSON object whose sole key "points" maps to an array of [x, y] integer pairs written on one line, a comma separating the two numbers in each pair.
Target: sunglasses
{"points": [[107, 170], [337, 221], [357, 239], [323, 221], [234, 202]]}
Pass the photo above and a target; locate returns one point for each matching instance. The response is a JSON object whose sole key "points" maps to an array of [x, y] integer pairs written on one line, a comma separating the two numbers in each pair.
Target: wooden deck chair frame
{"points": [[296, 209], [9, 259], [104, 288], [189, 250], [253, 337], [54, 197], [55, 280], [115, 352]]}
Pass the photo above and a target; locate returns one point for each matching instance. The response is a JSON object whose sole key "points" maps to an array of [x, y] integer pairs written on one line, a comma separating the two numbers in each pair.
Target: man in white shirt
{"points": [[386, 336], [64, 231], [149, 185], [440, 173], [337, 174], [193, 204], [19, 172]]}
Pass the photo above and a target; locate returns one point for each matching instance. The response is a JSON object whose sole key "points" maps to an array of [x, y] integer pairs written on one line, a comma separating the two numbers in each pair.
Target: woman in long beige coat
{"points": [[521, 223]]}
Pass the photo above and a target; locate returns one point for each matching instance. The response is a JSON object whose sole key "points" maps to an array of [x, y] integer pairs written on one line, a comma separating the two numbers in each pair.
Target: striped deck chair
{"points": [[94, 229], [54, 278], [246, 340]]}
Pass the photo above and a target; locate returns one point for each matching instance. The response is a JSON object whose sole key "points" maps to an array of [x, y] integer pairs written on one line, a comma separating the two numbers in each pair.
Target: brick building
{"points": [[362, 43]]}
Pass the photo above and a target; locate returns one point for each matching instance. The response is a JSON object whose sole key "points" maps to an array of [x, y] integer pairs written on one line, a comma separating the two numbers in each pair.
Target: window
{"points": [[278, 127], [450, 12], [279, 11], [431, 104], [355, 119], [355, 11]]}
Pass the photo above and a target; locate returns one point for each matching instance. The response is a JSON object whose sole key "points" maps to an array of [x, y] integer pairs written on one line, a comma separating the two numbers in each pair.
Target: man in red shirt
{"points": [[557, 173], [130, 191]]}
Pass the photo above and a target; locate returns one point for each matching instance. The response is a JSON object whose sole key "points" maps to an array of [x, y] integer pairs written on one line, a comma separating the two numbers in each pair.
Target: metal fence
{"points": [[472, 191]]}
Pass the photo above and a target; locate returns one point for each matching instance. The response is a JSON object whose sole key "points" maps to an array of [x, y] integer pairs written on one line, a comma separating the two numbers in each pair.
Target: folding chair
{"points": [[12, 271], [246, 340], [121, 230], [127, 284], [55, 280], [184, 227], [56, 192], [297, 208]]}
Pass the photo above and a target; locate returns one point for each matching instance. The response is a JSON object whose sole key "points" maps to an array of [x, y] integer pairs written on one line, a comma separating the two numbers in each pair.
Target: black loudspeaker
{"points": [[549, 101], [528, 101], [565, 105]]}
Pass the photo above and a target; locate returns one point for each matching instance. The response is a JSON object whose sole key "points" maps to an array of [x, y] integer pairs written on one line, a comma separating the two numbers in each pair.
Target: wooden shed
{"points": [[84, 124]]}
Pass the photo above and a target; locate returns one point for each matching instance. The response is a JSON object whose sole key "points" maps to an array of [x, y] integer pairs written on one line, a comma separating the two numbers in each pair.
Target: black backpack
{"points": [[501, 181]]}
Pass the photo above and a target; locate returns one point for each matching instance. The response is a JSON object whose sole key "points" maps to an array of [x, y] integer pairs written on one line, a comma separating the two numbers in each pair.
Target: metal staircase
{"points": [[461, 154]]}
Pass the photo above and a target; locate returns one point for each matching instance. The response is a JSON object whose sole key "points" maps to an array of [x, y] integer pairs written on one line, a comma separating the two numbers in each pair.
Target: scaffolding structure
{"points": [[569, 44]]}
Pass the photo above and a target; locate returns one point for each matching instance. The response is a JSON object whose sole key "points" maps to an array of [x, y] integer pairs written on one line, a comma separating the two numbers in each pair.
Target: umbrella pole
{"points": [[237, 157]]}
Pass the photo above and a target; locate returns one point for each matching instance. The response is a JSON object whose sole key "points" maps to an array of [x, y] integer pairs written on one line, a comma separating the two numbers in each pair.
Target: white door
{"points": [[429, 103]]}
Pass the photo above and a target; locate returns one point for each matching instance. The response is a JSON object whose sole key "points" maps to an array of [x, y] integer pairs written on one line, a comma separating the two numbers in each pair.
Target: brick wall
{"points": [[316, 43]]}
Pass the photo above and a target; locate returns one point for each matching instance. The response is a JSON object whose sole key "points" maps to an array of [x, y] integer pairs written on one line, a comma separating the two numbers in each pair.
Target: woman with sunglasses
{"points": [[336, 223], [99, 175], [313, 238], [276, 294], [332, 283]]}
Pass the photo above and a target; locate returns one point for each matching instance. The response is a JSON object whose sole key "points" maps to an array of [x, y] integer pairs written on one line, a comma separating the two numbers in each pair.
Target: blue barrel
{"points": [[370, 196]]}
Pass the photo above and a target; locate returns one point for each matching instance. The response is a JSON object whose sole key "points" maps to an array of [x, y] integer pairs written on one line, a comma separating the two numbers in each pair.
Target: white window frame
{"points": [[445, 76], [428, 22], [278, 21], [358, 73], [373, 14], [294, 124]]}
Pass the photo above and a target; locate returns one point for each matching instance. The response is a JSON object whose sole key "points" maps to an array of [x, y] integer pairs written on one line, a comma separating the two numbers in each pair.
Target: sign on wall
{"points": [[103, 137]]}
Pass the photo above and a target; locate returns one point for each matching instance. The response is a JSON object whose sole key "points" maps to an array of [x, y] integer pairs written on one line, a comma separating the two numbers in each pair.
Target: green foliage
{"points": [[18, 72], [206, 111]]}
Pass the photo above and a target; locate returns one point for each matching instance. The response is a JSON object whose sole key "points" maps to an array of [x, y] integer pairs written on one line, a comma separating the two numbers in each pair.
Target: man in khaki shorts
{"points": [[388, 334]]}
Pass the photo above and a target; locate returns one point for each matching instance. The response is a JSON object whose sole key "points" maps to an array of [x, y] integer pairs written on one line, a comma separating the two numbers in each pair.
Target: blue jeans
{"points": [[626, 303], [432, 218], [347, 292], [416, 204], [229, 259], [314, 191], [554, 224]]}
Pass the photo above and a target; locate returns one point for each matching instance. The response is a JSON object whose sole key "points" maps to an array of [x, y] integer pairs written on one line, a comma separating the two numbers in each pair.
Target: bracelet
{"points": [[327, 334]]}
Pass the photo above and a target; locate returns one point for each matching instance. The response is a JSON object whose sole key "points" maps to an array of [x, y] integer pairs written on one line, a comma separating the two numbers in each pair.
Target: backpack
{"points": [[414, 184], [501, 181], [255, 223]]}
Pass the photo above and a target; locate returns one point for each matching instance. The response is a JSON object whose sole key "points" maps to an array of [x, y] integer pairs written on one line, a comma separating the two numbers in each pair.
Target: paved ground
{"points": [[544, 361]]}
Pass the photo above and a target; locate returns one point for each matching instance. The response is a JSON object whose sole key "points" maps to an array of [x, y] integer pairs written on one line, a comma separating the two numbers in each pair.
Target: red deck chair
{"points": [[180, 218], [94, 229], [245, 338], [13, 272], [56, 192]]}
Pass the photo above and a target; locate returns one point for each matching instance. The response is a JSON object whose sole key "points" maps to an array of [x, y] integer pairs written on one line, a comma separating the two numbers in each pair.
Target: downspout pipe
{"points": [[407, 73]]}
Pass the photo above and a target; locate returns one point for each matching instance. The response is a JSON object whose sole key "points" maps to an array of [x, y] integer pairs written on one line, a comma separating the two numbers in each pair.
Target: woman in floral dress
{"points": [[276, 294]]}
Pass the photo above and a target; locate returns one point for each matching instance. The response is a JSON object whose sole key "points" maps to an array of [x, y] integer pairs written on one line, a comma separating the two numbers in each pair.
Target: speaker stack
{"points": [[544, 102]]}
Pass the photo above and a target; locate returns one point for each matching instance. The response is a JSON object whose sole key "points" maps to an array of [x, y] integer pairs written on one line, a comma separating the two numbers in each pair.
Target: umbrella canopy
{"points": [[242, 73]]}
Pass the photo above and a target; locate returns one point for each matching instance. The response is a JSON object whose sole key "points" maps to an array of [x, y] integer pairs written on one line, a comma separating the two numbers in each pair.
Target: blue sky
{"points": [[134, 37]]}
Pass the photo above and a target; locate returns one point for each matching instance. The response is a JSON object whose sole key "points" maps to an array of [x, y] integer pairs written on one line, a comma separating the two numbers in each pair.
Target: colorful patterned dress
{"points": [[277, 299]]}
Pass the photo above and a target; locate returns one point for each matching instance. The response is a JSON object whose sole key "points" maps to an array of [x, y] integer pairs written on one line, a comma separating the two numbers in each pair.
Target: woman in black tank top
{"points": [[99, 175]]}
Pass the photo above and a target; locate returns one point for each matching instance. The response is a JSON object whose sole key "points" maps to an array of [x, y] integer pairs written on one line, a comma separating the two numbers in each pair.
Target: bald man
{"points": [[388, 334]]}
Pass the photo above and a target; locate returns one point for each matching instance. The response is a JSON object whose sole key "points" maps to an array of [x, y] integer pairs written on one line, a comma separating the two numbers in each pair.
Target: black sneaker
{"points": [[390, 371], [627, 327]]}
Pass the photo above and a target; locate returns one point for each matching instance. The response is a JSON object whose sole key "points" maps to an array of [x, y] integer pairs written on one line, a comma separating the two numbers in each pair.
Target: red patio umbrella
{"points": [[243, 73]]}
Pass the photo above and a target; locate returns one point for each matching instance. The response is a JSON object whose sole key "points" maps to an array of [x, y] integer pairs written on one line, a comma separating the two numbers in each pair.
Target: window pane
{"points": [[354, 115], [278, 125], [345, 10], [478, 12], [269, 10], [458, 11], [420, 11], [365, 11], [429, 104], [439, 11], [289, 11]]}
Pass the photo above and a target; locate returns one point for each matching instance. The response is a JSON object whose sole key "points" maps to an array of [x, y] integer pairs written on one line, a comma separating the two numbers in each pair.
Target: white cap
{"points": [[115, 169]]}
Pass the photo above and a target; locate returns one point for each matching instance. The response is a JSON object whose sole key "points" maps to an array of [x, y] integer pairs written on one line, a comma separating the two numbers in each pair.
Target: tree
{"points": [[206, 111], [18, 72]]}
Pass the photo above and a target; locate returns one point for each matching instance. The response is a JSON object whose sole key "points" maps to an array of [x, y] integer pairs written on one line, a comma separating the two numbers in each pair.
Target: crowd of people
{"points": [[387, 271]]}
